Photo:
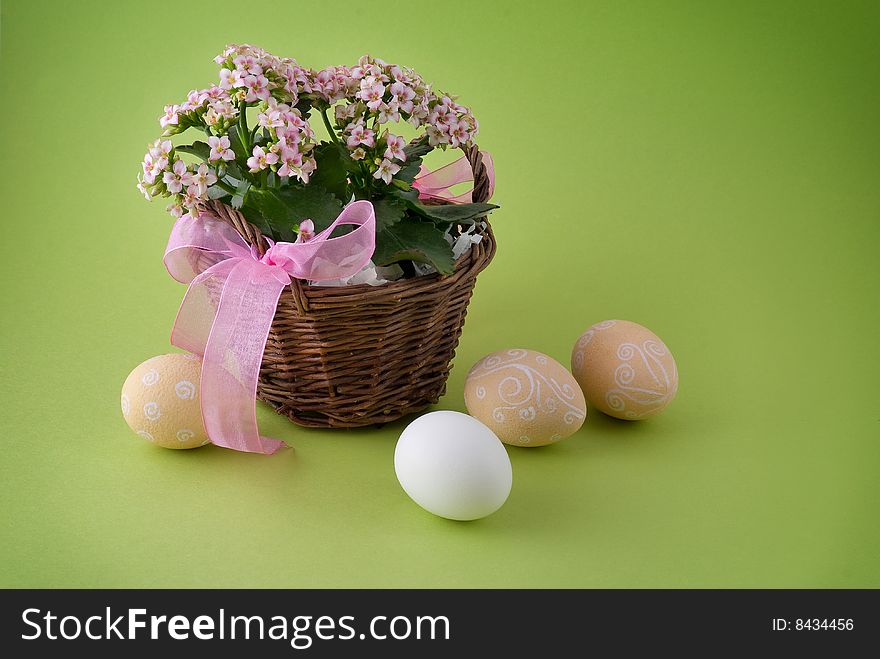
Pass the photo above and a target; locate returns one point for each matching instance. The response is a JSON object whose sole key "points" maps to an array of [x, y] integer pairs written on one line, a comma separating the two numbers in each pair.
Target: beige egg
{"points": [[624, 369], [525, 397], [160, 401]]}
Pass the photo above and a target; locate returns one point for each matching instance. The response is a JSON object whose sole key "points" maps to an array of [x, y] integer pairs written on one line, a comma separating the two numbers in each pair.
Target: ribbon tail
{"points": [[438, 184], [192, 327], [232, 357]]}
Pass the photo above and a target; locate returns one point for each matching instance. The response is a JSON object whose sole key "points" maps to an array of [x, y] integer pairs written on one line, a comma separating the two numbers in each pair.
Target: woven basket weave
{"points": [[350, 356]]}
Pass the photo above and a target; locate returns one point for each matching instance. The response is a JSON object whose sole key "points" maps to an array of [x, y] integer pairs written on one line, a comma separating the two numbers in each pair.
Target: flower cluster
{"points": [[279, 148], [163, 170], [255, 74], [249, 77], [382, 92], [374, 93]]}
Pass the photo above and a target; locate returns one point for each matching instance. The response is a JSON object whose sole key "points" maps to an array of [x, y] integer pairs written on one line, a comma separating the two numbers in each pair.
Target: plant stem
{"points": [[223, 184], [243, 127], [329, 127]]}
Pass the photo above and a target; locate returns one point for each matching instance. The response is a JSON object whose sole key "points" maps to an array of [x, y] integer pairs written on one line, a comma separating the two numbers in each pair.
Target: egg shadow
{"points": [[210, 460], [602, 427]]}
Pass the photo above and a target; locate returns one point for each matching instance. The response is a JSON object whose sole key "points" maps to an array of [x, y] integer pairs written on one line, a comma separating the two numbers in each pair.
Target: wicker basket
{"points": [[344, 357]]}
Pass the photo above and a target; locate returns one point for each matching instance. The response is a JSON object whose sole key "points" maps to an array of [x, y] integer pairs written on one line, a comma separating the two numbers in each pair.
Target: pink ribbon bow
{"points": [[228, 308], [437, 184]]}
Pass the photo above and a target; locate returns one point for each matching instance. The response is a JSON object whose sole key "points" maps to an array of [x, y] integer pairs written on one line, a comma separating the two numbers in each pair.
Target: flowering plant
{"points": [[268, 163]]}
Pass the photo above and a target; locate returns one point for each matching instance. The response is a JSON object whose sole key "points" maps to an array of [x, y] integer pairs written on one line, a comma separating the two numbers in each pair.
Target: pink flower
{"points": [[436, 135], [229, 50], [151, 171], [220, 148], [273, 117], [361, 135], [419, 113], [458, 134], [219, 109], [400, 74], [326, 84], [177, 178], [257, 88], [261, 159], [440, 114], [143, 189], [161, 149], [288, 135], [292, 162], [194, 100], [175, 209], [386, 171], [395, 148], [230, 79], [202, 178], [308, 167], [248, 64], [344, 112], [170, 116], [191, 198], [296, 122], [372, 92], [389, 112], [158, 166], [291, 86], [305, 231], [404, 96]]}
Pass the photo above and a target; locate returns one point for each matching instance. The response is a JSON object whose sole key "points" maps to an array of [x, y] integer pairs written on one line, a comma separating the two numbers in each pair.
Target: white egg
{"points": [[453, 466]]}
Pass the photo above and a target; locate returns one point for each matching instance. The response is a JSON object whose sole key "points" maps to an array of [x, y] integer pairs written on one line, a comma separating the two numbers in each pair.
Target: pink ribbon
{"points": [[437, 184], [228, 308]]}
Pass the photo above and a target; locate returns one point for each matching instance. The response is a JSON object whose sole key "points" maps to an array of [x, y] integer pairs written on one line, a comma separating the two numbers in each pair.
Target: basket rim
{"points": [[477, 257], [463, 263]]}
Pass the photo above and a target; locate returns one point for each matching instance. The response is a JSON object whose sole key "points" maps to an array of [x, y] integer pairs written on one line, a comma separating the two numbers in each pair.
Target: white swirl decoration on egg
{"points": [[526, 392], [585, 339], [150, 378], [126, 405], [184, 435], [185, 390], [151, 411], [636, 359]]}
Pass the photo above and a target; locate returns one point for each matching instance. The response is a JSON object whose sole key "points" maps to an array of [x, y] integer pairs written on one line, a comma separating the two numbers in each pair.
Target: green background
{"points": [[707, 169]]}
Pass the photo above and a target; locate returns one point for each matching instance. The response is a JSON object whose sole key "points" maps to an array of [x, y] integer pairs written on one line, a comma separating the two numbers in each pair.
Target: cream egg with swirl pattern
{"points": [[525, 397], [624, 369]]}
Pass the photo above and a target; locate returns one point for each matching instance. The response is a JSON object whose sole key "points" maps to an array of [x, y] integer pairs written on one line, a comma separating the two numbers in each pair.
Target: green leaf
{"points": [[240, 193], [304, 105], [198, 149], [389, 211], [454, 213], [409, 170], [233, 170], [236, 143], [333, 168], [410, 197], [283, 209], [414, 240], [418, 149], [216, 192]]}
